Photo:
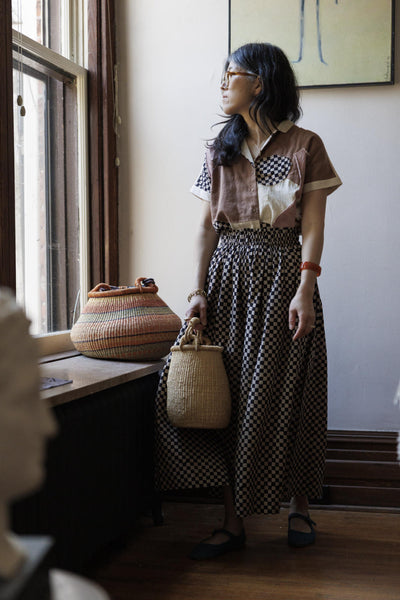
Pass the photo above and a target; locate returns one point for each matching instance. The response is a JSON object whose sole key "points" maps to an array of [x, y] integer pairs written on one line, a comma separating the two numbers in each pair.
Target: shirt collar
{"points": [[283, 127]]}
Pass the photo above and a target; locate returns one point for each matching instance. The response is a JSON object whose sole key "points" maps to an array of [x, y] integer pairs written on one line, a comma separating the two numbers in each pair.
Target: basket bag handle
{"points": [[142, 285], [194, 337]]}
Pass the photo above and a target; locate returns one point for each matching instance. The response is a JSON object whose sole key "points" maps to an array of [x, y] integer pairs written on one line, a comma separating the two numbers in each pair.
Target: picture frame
{"points": [[330, 43]]}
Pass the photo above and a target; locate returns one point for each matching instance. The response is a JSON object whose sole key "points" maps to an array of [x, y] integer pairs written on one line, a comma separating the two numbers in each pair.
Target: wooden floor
{"points": [[357, 556]]}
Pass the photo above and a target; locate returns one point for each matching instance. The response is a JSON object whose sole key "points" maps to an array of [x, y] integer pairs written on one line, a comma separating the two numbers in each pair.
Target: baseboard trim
{"points": [[367, 440], [362, 469], [362, 472]]}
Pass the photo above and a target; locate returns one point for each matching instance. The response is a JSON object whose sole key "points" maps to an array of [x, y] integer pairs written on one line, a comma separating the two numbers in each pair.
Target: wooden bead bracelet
{"points": [[311, 266], [198, 292]]}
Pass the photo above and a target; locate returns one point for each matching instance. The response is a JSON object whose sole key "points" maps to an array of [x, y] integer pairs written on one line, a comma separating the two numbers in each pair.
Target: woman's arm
{"points": [[312, 230], [207, 240]]}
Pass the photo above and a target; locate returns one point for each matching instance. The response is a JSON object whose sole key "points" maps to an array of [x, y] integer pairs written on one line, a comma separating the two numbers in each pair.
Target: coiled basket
{"points": [[198, 393], [126, 323]]}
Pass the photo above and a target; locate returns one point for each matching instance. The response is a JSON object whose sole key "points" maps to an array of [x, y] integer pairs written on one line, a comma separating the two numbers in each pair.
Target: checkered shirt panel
{"points": [[272, 169], [204, 180], [274, 447]]}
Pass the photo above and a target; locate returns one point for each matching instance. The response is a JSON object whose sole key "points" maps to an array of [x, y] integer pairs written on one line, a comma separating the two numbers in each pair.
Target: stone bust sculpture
{"points": [[25, 423]]}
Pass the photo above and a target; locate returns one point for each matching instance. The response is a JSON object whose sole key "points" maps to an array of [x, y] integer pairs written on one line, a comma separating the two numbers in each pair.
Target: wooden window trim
{"points": [[103, 183], [7, 192], [102, 140]]}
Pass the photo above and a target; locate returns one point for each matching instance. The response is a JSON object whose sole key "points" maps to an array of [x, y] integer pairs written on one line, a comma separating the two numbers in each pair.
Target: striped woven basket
{"points": [[198, 394], [125, 323]]}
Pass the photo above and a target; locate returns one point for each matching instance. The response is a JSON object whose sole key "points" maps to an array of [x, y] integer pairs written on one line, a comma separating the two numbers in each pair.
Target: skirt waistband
{"points": [[265, 235]]}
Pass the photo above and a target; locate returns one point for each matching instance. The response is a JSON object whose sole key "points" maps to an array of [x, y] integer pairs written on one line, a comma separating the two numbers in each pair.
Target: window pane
{"points": [[41, 20], [46, 203]]}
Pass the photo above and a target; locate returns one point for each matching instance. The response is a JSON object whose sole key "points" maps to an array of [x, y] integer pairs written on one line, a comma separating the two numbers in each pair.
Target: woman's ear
{"points": [[258, 86]]}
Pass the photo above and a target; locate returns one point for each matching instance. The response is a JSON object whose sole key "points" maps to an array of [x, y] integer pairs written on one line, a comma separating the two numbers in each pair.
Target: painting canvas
{"points": [[329, 42]]}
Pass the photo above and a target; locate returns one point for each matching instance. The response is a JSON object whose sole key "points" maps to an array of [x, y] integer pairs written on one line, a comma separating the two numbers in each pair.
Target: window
{"points": [[60, 25], [57, 163], [50, 154]]}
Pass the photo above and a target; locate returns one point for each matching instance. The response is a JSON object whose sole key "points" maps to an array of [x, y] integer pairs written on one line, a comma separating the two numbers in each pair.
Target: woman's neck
{"points": [[257, 136]]}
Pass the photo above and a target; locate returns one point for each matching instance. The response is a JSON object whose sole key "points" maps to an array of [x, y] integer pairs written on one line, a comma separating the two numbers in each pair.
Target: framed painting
{"points": [[329, 42]]}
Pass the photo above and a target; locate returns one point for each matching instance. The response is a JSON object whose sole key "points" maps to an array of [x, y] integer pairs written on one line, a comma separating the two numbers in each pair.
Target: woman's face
{"points": [[238, 90]]}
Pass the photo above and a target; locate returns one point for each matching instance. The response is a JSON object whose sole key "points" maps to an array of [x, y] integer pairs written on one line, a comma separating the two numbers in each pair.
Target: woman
{"points": [[264, 182]]}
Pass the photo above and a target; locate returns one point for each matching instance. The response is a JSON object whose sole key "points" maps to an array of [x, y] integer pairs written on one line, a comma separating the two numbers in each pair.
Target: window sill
{"points": [[54, 343], [58, 356], [91, 375]]}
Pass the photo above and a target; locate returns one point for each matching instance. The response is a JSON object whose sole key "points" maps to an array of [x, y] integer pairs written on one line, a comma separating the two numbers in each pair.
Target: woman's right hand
{"points": [[198, 308]]}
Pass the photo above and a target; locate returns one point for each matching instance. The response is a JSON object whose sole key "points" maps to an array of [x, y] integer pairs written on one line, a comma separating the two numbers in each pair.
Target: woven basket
{"points": [[198, 393], [125, 323]]}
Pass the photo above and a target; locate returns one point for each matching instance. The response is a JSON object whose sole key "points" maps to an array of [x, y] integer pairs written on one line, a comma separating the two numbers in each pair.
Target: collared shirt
{"points": [[269, 188]]}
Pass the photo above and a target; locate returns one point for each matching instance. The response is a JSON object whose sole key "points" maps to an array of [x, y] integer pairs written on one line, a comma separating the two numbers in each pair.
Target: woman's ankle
{"points": [[299, 504], [232, 522], [234, 525]]}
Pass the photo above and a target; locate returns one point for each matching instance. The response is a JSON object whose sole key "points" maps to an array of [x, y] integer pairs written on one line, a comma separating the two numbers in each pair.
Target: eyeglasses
{"points": [[226, 78]]}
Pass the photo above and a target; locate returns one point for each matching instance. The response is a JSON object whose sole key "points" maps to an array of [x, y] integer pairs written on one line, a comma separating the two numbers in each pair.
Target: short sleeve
{"points": [[202, 186], [320, 174]]}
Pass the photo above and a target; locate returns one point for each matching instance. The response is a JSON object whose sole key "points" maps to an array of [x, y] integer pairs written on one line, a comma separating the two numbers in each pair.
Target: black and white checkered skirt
{"points": [[274, 447]]}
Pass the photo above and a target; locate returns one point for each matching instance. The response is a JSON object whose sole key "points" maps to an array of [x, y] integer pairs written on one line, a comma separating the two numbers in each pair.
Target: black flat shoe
{"points": [[204, 551], [299, 539]]}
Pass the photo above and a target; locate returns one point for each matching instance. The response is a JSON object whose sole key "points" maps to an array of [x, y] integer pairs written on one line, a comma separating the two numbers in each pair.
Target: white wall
{"points": [[170, 56]]}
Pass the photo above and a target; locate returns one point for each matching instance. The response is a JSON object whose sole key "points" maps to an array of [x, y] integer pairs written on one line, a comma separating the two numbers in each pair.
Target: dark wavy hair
{"points": [[277, 101]]}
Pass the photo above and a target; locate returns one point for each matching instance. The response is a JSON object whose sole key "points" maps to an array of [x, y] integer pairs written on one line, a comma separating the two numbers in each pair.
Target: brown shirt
{"points": [[269, 188]]}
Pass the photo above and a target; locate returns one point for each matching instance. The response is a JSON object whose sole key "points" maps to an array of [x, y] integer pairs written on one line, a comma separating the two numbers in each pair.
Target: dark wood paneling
{"points": [[99, 473]]}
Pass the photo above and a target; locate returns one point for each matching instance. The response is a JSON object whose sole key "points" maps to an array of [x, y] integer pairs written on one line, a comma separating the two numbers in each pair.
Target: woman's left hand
{"points": [[301, 311]]}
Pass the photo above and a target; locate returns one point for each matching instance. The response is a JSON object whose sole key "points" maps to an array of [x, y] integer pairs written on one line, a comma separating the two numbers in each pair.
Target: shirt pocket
{"points": [[273, 169]]}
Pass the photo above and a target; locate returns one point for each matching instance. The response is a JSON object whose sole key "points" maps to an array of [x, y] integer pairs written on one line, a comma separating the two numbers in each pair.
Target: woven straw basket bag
{"points": [[126, 323], [198, 393]]}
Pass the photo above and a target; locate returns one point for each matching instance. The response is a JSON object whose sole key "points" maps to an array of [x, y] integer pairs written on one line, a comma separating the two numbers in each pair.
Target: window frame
{"points": [[102, 149], [7, 189], [56, 66]]}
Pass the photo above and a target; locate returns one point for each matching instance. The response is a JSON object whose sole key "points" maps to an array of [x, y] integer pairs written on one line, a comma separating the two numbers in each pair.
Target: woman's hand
{"points": [[301, 311], [198, 308]]}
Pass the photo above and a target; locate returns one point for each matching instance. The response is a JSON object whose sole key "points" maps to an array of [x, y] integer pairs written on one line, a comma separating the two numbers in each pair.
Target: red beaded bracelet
{"points": [[311, 266]]}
